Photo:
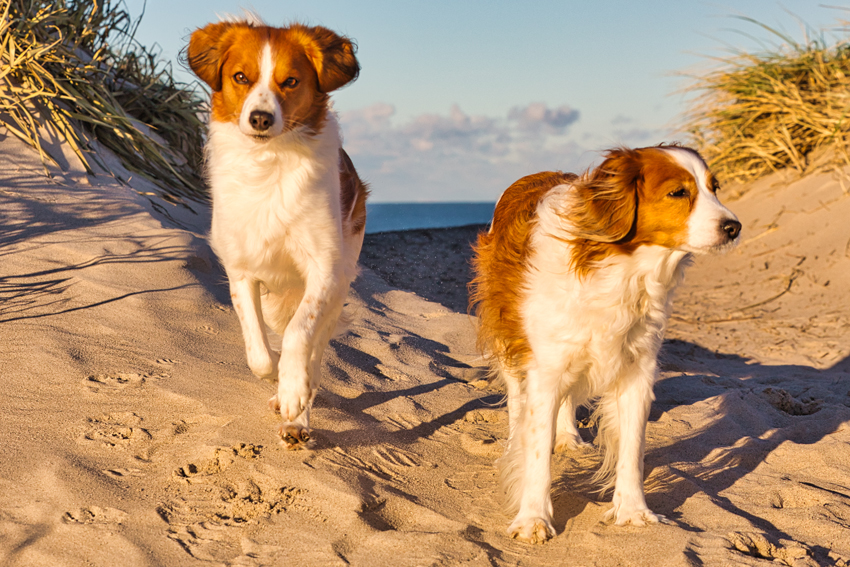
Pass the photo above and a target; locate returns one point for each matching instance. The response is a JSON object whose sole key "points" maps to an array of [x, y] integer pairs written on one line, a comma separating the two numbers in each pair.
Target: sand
{"points": [[134, 434]]}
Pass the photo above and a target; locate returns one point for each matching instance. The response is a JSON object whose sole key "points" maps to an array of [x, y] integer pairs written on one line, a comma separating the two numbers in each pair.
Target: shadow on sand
{"points": [[40, 214]]}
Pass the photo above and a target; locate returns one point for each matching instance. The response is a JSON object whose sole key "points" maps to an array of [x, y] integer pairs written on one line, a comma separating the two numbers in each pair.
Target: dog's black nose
{"points": [[731, 228], [260, 120]]}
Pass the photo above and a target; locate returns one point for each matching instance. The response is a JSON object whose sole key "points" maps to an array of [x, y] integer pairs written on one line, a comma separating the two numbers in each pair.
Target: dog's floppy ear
{"points": [[206, 50], [332, 56], [606, 200]]}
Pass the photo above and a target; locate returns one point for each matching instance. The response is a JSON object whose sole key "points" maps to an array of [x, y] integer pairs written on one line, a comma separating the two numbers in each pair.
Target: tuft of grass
{"points": [[786, 108], [73, 66]]}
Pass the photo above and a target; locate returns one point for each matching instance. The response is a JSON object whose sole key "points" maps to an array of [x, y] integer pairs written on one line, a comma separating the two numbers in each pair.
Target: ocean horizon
{"points": [[388, 217]]}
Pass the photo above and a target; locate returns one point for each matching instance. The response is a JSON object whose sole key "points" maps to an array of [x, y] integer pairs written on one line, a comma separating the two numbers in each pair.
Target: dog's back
{"points": [[499, 266]]}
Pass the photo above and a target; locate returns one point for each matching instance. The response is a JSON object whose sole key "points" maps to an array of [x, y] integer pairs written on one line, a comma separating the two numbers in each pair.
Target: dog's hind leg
{"points": [[512, 378], [567, 437], [245, 294]]}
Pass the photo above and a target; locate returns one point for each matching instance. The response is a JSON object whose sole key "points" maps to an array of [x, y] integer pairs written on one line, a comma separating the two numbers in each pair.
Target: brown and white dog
{"points": [[573, 289], [289, 210]]}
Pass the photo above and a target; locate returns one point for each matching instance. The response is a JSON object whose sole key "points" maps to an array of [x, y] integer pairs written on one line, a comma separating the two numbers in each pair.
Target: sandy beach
{"points": [[134, 434]]}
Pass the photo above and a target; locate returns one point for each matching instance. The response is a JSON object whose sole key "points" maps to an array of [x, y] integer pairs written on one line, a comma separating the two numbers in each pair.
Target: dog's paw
{"points": [[531, 530], [263, 364], [291, 401], [295, 436], [633, 517], [570, 442]]}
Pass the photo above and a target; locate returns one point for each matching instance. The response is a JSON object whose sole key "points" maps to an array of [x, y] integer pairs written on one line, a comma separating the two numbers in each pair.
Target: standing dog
{"points": [[573, 289], [289, 211]]}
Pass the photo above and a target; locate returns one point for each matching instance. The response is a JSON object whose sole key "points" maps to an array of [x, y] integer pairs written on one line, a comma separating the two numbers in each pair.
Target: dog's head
{"points": [[271, 80], [662, 195]]}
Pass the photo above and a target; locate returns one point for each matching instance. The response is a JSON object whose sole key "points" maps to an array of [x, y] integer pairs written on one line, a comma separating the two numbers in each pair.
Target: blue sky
{"points": [[458, 99]]}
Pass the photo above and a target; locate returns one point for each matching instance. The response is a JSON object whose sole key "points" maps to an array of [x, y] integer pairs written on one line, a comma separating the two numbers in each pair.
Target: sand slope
{"points": [[134, 434]]}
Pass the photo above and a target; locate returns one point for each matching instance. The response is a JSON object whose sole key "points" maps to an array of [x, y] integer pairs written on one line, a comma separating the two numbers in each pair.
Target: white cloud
{"points": [[537, 116], [456, 157]]}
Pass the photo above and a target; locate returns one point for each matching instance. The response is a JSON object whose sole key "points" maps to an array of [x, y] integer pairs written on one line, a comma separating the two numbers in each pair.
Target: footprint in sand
{"points": [[95, 515], [219, 544], [207, 330], [221, 459], [113, 382], [481, 431], [475, 479], [481, 444], [117, 429], [227, 504], [759, 546], [479, 485], [210, 506], [785, 402]]}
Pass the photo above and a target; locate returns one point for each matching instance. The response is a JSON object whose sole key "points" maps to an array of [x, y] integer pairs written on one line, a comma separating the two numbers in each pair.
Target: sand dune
{"points": [[134, 434]]}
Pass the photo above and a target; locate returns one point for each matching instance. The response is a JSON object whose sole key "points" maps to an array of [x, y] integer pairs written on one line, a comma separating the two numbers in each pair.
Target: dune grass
{"points": [[74, 67], [785, 108]]}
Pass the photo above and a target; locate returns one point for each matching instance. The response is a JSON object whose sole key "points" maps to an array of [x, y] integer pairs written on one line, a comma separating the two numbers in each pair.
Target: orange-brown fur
{"points": [[500, 257], [621, 206], [320, 60], [353, 193]]}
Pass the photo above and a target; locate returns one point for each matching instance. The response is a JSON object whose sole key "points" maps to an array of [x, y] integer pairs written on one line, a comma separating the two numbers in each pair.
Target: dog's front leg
{"points": [[245, 294], [632, 407], [300, 364], [533, 522]]}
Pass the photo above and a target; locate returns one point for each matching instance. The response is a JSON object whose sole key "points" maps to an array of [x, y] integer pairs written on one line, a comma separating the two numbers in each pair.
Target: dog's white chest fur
{"points": [[609, 320], [273, 200]]}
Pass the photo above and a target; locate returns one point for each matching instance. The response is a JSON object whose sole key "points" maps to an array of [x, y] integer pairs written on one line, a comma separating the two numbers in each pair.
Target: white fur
{"points": [[595, 337], [249, 17], [277, 228], [262, 98], [704, 226]]}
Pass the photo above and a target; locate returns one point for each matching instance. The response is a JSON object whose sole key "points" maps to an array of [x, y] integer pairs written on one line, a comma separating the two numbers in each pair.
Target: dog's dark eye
{"points": [[680, 192], [289, 83], [240, 78], [715, 187]]}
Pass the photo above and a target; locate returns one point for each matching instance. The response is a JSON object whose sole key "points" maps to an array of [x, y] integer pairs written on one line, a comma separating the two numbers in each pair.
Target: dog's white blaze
{"points": [[262, 98], [705, 230]]}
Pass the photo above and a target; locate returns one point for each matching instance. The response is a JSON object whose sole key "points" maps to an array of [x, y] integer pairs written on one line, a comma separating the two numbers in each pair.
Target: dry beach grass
{"points": [[785, 108], [72, 74]]}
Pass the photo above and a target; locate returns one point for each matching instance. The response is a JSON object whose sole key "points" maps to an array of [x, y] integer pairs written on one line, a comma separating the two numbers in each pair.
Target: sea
{"points": [[387, 217]]}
